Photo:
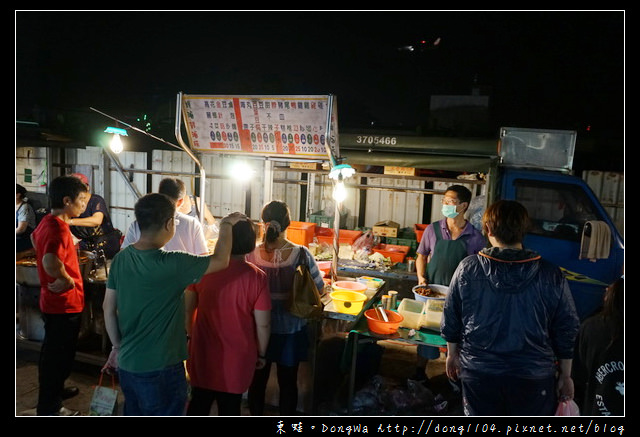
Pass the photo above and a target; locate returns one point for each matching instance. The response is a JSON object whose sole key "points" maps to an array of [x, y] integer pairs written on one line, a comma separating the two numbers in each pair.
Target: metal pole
{"points": [[178, 134], [336, 219], [311, 188], [182, 144], [327, 140], [118, 165], [267, 187], [336, 240]]}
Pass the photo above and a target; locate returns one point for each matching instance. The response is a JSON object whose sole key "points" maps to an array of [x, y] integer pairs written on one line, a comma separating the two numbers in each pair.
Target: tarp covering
{"points": [[436, 153], [31, 135]]}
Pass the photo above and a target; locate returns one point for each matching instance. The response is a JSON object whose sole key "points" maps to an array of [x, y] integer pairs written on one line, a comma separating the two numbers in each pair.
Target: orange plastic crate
{"points": [[396, 253], [301, 232], [325, 235], [419, 229]]}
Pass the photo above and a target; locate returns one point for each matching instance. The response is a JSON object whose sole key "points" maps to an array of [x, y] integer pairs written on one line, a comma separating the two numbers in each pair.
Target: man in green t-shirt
{"points": [[144, 309]]}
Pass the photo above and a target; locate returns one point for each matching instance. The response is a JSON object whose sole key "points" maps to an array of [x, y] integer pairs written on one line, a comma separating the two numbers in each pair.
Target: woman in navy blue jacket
{"points": [[510, 324]]}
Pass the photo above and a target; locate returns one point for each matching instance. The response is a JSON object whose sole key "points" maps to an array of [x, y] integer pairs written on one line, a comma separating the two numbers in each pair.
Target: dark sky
{"points": [[552, 69]]}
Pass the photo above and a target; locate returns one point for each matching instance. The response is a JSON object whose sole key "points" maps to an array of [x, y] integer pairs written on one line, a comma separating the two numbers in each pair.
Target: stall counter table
{"points": [[330, 311], [361, 334], [396, 278]]}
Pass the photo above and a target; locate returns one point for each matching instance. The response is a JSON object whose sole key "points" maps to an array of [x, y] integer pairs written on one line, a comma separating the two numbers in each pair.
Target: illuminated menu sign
{"points": [[294, 126]]}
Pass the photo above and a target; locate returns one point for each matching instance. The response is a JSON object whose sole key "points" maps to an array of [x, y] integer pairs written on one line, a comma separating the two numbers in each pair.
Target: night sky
{"points": [[561, 70]]}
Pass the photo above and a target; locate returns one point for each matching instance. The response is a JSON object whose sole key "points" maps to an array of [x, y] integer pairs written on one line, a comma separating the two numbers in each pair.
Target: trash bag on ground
{"points": [[387, 396]]}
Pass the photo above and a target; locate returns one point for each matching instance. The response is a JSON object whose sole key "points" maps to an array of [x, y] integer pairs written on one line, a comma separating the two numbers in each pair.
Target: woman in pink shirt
{"points": [[228, 327]]}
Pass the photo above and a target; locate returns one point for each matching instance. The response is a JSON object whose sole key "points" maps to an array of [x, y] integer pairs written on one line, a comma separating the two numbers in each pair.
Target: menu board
{"points": [[294, 126]]}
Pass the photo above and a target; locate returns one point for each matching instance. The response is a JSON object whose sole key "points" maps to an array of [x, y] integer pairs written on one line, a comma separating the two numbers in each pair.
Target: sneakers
{"points": [[64, 411]]}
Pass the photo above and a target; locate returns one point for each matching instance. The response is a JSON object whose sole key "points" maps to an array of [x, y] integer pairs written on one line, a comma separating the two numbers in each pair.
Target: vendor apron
{"points": [[445, 258]]}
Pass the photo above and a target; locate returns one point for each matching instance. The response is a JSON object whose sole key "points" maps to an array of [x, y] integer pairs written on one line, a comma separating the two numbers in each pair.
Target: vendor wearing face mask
{"points": [[444, 244]]}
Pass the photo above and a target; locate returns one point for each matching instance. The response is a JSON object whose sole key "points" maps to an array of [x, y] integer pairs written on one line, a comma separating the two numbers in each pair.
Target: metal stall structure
{"points": [[296, 176], [250, 132], [268, 128]]}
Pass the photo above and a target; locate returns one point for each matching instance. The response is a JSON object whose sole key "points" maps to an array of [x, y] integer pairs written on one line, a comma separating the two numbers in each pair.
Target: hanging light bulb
{"points": [[339, 192], [116, 142], [339, 173]]}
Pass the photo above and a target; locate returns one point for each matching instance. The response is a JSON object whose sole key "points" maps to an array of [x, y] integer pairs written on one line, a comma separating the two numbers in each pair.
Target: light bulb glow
{"points": [[339, 192], [241, 171], [116, 144]]}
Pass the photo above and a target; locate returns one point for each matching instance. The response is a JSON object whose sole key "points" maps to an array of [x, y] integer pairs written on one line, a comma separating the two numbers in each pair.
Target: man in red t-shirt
{"points": [[61, 292]]}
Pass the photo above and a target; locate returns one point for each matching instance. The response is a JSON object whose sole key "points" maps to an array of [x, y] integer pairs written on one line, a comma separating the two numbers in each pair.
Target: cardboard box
{"points": [[387, 228], [401, 171]]}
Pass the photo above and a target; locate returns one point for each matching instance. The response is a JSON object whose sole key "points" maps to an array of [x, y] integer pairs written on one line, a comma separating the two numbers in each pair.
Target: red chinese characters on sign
{"points": [[264, 125]]}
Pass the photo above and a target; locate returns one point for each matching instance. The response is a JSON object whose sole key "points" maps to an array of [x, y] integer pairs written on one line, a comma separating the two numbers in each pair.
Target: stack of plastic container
{"points": [[373, 284]]}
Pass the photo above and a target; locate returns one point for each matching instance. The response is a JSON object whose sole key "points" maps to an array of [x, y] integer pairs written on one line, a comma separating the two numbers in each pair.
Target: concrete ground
{"points": [[395, 366], [85, 376]]}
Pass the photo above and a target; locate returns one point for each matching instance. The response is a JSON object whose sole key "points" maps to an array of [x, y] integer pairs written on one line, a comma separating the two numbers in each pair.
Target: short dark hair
{"points": [[65, 186], [508, 221], [153, 210], [244, 237], [21, 190], [172, 187], [464, 194]]}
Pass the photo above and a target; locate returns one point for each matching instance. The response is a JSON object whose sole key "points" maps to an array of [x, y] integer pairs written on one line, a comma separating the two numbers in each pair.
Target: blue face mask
{"points": [[449, 211]]}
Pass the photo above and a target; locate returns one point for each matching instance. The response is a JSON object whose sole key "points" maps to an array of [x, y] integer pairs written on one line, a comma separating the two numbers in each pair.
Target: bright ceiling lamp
{"points": [[339, 173], [339, 192], [241, 171], [116, 142]]}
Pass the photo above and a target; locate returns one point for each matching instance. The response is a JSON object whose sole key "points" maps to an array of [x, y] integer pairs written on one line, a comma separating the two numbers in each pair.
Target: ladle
{"points": [[383, 313]]}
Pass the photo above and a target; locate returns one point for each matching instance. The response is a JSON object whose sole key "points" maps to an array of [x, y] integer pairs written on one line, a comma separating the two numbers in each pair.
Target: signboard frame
{"points": [[300, 127]]}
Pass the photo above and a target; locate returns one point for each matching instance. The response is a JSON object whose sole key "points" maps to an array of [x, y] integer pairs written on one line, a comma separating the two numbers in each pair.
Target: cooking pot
{"points": [[27, 271]]}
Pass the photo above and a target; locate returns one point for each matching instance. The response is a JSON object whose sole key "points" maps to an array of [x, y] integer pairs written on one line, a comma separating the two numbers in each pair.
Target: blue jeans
{"points": [[157, 393]]}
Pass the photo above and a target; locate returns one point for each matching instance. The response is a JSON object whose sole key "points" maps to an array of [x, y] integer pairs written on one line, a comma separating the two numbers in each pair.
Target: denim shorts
{"points": [[157, 393]]}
